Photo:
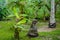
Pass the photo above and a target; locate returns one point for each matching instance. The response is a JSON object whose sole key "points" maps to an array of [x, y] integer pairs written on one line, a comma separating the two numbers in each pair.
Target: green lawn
{"points": [[7, 34]]}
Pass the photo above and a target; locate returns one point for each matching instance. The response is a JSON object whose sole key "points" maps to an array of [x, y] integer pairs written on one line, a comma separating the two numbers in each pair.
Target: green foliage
{"points": [[27, 8], [31, 8]]}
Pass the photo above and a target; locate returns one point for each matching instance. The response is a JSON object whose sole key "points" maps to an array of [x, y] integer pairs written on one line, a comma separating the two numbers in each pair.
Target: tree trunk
{"points": [[33, 29], [52, 22], [16, 31], [16, 34]]}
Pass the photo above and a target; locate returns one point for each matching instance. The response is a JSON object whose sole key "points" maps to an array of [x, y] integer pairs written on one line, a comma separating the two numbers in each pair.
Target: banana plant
{"points": [[20, 18]]}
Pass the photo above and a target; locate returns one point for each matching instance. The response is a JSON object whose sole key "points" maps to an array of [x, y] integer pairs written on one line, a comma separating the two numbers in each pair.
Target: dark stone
{"points": [[33, 29], [52, 25], [33, 34]]}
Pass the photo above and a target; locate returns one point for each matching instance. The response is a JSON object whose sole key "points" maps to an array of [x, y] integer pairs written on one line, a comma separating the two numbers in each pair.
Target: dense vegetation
{"points": [[19, 18]]}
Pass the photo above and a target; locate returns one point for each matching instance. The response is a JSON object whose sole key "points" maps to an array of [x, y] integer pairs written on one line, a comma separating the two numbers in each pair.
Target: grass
{"points": [[7, 34]]}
